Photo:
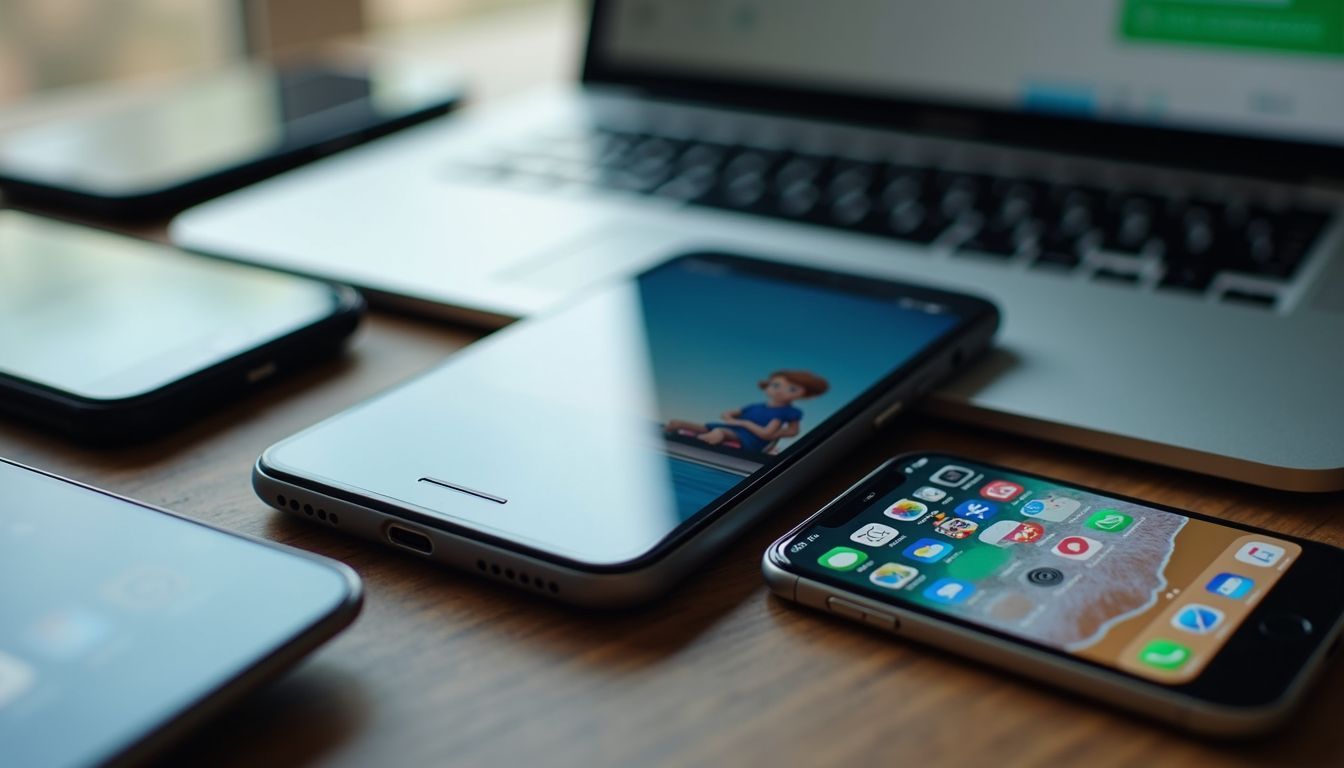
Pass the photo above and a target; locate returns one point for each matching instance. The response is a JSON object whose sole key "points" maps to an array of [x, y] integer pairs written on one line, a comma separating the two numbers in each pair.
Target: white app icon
{"points": [[1055, 509], [906, 510], [951, 475], [1077, 547], [1259, 553], [929, 493], [15, 678], [873, 535]]}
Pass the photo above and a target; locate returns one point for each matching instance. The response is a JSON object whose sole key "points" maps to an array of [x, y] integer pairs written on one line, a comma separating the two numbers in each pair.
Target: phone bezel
{"points": [[162, 407], [979, 318], [1261, 678]]}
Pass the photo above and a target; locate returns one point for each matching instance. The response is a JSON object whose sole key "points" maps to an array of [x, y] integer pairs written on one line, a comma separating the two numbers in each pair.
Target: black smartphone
{"points": [[122, 625], [599, 453], [1202, 623], [167, 148], [112, 339]]}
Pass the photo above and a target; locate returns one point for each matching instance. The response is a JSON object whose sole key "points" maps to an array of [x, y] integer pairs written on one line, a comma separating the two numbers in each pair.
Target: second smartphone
{"points": [[1202, 623], [600, 453]]}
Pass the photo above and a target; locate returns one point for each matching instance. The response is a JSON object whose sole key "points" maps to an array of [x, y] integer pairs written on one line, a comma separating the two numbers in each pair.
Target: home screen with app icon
{"points": [[1151, 592]]}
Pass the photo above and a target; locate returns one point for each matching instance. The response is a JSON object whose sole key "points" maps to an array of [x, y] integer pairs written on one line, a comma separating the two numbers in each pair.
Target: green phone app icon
{"points": [[1166, 655], [843, 559], [1109, 520]]}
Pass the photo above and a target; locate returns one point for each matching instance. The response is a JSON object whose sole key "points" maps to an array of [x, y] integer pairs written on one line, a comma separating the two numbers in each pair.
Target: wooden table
{"points": [[444, 668]]}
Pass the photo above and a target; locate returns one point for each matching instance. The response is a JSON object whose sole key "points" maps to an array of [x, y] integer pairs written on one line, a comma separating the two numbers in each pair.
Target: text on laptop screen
{"points": [[1256, 68]]}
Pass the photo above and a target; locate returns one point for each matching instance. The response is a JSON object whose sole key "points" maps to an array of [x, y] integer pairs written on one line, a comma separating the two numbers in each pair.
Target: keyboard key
{"points": [[1054, 224]]}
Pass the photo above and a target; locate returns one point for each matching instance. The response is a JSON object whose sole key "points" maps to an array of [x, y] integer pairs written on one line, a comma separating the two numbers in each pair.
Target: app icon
{"points": [[929, 493], [951, 475], [1259, 553], [892, 575], [974, 509], [1230, 585], [66, 634], [873, 535], [1108, 520], [906, 509], [928, 550], [1054, 509], [843, 559], [1006, 532], [1001, 490], [949, 591], [1166, 655], [1045, 577], [956, 527], [1199, 619], [1077, 547]]}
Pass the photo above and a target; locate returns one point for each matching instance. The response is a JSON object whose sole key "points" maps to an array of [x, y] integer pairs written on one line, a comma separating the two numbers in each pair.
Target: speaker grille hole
{"points": [[332, 518], [280, 499], [294, 504]]}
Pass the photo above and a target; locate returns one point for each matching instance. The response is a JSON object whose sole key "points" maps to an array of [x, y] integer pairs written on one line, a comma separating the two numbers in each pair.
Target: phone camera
{"points": [[1045, 577]]}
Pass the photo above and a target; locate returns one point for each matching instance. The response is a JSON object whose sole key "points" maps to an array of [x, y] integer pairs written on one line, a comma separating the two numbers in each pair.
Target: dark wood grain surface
{"points": [[443, 668]]}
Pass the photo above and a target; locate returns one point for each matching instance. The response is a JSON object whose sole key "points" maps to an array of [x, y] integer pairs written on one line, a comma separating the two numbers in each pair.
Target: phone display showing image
{"points": [[601, 437], [1169, 598], [744, 365]]}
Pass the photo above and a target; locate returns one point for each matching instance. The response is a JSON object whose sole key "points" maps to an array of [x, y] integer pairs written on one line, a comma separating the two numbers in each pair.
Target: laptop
{"points": [[1149, 189]]}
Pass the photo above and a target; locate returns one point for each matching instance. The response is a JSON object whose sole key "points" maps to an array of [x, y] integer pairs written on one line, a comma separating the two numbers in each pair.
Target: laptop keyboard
{"points": [[1172, 242]]}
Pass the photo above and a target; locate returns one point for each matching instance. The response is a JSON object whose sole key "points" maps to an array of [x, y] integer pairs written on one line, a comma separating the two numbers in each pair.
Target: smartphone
{"points": [[1204, 624], [600, 453], [159, 151], [123, 626], [111, 339]]}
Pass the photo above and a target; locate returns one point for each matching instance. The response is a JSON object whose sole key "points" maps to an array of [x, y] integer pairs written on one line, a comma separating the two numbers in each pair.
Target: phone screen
{"points": [[108, 317], [598, 431], [1147, 591]]}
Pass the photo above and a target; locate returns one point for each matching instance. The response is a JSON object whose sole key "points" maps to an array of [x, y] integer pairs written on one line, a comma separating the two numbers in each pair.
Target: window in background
{"points": [[48, 44], [398, 15]]}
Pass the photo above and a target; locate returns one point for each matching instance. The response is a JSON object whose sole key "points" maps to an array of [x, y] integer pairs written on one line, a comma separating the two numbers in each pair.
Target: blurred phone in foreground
{"points": [[123, 626]]}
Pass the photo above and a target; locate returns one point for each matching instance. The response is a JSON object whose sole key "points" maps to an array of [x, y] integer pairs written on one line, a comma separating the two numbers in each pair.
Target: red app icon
{"points": [[1001, 490], [1076, 547]]}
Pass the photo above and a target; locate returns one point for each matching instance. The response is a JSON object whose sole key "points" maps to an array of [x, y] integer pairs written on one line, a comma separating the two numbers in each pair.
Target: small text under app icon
{"points": [[1259, 553], [929, 493], [873, 535], [1230, 585], [1076, 547], [956, 527], [906, 510], [952, 476], [892, 575], [975, 509], [1197, 619], [1051, 508], [1001, 490]]}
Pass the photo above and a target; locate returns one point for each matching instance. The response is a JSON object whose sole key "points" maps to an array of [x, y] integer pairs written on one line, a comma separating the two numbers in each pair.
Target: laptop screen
{"points": [[1263, 69]]}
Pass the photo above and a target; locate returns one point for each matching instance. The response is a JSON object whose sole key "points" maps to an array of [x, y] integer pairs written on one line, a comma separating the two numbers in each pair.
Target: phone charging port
{"points": [[414, 540]]}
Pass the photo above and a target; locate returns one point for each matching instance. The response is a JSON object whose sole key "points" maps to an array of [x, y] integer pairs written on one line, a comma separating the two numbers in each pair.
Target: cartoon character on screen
{"points": [[758, 427]]}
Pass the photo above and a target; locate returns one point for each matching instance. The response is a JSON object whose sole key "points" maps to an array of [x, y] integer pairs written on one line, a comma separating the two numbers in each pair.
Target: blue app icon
{"points": [[1230, 585], [949, 591], [928, 550], [975, 509], [1199, 619]]}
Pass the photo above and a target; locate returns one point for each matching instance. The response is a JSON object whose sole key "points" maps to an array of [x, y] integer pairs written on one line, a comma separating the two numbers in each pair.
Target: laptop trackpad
{"points": [[601, 253]]}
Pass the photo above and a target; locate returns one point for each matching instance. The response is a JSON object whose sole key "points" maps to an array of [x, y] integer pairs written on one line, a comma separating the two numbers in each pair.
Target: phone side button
{"points": [[888, 414], [845, 608], [859, 613]]}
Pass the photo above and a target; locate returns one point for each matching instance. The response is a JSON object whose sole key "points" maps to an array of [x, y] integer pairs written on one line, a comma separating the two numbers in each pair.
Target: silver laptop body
{"points": [[1151, 195]]}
